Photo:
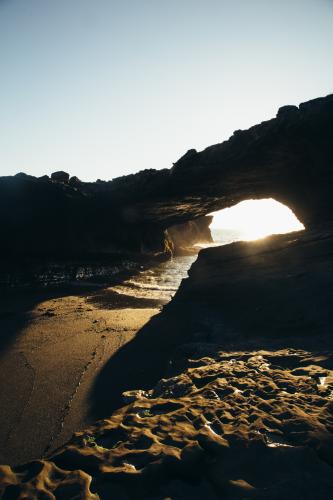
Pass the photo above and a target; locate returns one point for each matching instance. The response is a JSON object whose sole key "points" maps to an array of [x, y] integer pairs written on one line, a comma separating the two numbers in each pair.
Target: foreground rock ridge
{"points": [[288, 158]]}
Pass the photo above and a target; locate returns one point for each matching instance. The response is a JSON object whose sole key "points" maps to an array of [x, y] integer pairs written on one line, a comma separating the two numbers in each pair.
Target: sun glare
{"points": [[254, 219]]}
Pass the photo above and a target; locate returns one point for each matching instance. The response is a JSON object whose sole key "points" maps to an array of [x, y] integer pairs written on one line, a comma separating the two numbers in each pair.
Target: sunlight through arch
{"points": [[254, 219]]}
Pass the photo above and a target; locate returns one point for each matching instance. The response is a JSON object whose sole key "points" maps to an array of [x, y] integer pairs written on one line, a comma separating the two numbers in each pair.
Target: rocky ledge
{"points": [[276, 289]]}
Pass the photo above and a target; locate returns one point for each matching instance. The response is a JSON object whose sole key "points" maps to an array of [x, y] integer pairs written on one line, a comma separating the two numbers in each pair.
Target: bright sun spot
{"points": [[254, 219]]}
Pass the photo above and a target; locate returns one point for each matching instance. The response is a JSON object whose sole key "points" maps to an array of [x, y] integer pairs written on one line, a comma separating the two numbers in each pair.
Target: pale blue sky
{"points": [[103, 88]]}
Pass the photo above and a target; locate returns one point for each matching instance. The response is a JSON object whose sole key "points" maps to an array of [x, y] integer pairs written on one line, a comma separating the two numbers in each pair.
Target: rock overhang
{"points": [[288, 158]]}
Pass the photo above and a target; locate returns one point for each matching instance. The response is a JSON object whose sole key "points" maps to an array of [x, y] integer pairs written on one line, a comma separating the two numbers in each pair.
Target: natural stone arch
{"points": [[288, 158]]}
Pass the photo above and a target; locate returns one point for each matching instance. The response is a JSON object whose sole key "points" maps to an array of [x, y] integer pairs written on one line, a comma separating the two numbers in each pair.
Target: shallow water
{"points": [[163, 280], [158, 282]]}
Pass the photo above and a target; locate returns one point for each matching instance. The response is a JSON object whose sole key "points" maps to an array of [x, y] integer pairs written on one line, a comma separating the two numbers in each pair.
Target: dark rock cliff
{"points": [[185, 236], [266, 292], [288, 158]]}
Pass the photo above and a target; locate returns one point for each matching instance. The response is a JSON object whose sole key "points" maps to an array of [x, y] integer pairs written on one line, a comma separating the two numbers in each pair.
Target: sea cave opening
{"points": [[247, 220], [251, 220]]}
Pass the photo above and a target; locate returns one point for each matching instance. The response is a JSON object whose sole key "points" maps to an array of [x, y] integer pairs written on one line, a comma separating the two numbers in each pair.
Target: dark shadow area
{"points": [[271, 294], [141, 362], [109, 299], [15, 311], [50, 340]]}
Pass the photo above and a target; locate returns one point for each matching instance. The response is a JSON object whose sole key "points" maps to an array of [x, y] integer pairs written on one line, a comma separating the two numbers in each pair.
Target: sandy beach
{"points": [[53, 347]]}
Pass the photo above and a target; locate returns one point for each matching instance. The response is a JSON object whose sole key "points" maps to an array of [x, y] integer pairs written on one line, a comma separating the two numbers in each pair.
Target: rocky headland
{"points": [[232, 395]]}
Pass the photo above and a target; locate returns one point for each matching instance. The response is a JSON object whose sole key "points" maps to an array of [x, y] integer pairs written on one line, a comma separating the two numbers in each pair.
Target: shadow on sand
{"points": [[16, 306], [17, 303], [138, 364]]}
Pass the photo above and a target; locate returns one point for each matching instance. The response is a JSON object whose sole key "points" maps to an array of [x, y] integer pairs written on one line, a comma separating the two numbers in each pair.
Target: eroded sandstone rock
{"points": [[249, 426]]}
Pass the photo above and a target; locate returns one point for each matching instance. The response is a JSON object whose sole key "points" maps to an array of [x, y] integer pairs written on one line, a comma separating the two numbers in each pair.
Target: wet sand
{"points": [[62, 357], [53, 346]]}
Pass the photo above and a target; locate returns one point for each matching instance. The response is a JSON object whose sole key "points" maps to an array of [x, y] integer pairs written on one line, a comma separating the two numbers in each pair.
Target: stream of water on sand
{"points": [[163, 280]]}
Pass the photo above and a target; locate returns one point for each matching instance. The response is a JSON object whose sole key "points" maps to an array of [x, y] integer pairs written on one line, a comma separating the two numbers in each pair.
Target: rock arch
{"points": [[288, 158]]}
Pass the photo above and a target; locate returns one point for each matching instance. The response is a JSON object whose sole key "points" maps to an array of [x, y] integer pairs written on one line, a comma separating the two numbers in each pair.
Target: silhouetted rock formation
{"points": [[60, 176], [245, 408], [287, 158], [256, 293], [185, 236]]}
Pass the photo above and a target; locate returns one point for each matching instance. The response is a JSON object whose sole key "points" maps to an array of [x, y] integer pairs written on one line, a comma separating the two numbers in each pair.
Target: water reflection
{"points": [[163, 280], [158, 282]]}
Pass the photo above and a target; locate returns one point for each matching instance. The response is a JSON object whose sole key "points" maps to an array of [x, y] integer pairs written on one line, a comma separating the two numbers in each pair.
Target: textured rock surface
{"points": [[272, 289], [288, 158], [238, 425], [185, 236]]}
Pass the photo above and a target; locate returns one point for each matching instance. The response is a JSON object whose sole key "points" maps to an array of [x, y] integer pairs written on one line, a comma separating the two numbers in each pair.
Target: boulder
{"points": [[74, 181], [60, 176], [286, 111]]}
